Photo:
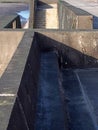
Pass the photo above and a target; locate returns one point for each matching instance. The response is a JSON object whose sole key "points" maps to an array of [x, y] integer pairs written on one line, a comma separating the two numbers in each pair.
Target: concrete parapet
{"points": [[78, 46], [9, 85], [33, 6], [19, 82], [73, 18]]}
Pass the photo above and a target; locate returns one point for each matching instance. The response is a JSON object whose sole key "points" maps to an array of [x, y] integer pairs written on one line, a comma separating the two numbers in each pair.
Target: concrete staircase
{"points": [[40, 19], [46, 17]]}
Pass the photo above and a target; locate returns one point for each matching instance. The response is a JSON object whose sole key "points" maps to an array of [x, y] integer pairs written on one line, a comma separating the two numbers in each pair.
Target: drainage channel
{"points": [[50, 109]]}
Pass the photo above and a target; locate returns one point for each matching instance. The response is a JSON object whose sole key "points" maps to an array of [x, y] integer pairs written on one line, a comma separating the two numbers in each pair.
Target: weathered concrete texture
{"points": [[71, 17], [90, 6], [9, 41], [81, 47], [32, 13], [19, 83], [27, 89], [46, 16], [10, 80]]}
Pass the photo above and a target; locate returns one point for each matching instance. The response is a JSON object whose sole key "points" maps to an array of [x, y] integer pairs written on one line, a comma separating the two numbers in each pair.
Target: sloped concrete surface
{"points": [[89, 80], [46, 16], [81, 115], [50, 109], [25, 104], [90, 6], [9, 42], [10, 80]]}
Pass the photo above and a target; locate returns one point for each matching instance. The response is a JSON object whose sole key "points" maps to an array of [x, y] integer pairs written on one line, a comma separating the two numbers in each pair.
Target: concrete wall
{"points": [[9, 42], [80, 48], [33, 5], [31, 19], [27, 94], [73, 18], [85, 22], [18, 84]]}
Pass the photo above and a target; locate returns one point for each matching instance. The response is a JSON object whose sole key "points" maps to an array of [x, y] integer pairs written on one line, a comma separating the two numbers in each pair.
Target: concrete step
{"points": [[48, 17]]}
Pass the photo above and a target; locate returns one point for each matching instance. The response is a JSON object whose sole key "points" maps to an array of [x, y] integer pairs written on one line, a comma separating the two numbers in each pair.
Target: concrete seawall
{"points": [[10, 102], [80, 47], [71, 17], [49, 78], [19, 83], [27, 94]]}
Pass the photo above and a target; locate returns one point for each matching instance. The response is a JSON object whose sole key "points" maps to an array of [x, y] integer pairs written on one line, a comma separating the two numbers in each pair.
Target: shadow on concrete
{"points": [[43, 5], [40, 15], [79, 113], [47, 1], [95, 22], [68, 56], [25, 105]]}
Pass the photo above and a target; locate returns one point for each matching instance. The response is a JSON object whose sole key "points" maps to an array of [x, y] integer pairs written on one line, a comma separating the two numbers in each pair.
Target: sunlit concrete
{"points": [[90, 6], [9, 42]]}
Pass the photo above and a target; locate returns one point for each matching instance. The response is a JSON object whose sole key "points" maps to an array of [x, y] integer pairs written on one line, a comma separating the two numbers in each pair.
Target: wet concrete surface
{"points": [[89, 80], [80, 96], [79, 90], [81, 116], [50, 111]]}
